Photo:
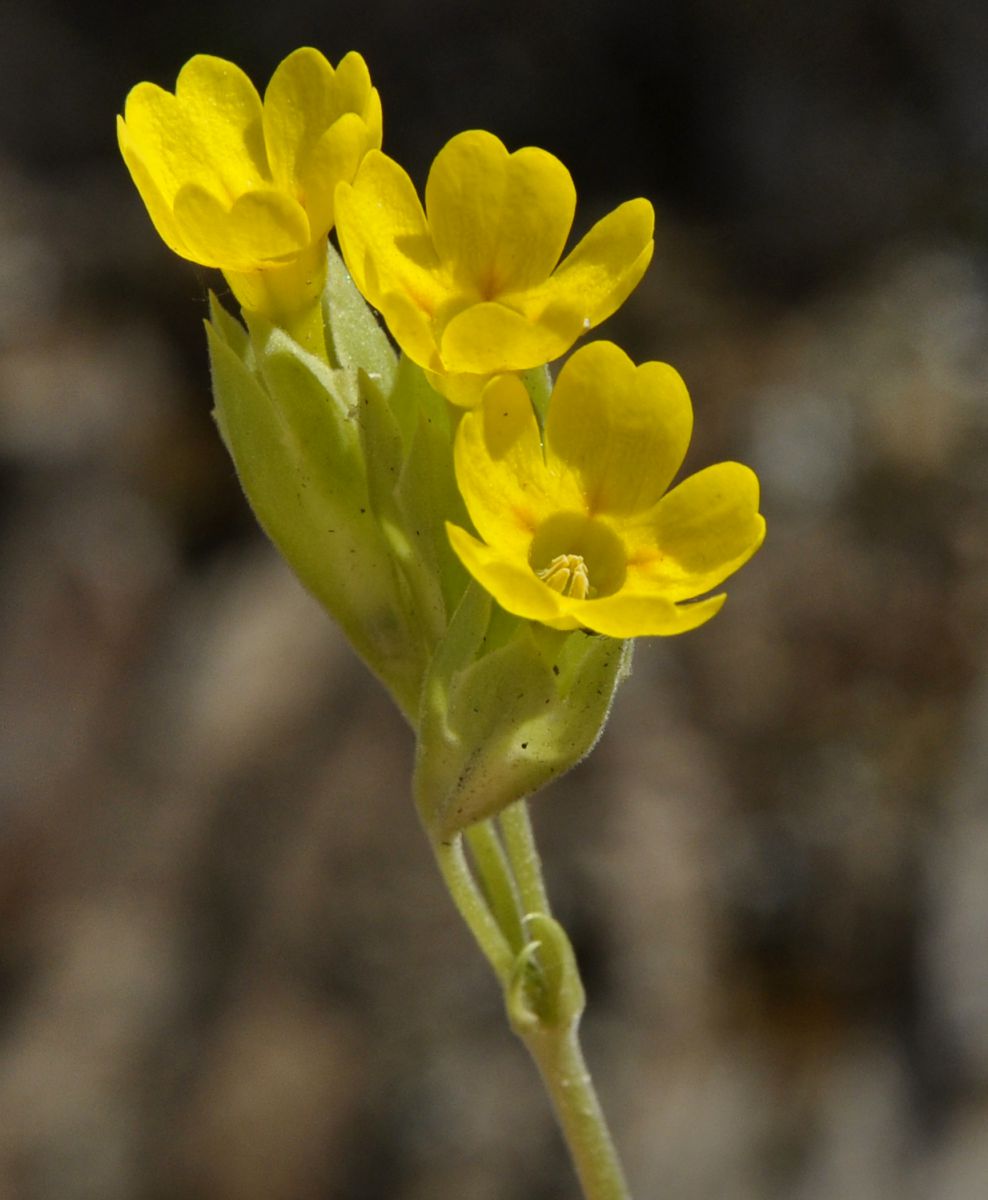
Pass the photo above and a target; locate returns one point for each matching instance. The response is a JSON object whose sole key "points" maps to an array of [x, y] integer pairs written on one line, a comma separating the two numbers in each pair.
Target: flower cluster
{"points": [[465, 520], [576, 527]]}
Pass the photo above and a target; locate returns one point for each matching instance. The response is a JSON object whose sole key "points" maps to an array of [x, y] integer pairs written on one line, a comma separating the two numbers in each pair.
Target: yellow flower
{"points": [[470, 285], [581, 531], [248, 186]]}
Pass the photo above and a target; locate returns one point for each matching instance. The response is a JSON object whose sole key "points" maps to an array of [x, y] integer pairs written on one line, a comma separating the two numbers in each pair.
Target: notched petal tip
{"points": [[489, 338], [499, 219], [263, 227], [353, 80]]}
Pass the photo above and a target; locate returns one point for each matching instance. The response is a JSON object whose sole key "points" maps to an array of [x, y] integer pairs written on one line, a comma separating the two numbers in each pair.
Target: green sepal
{"points": [[545, 992], [386, 457], [507, 706], [407, 439], [354, 337], [427, 495], [538, 384], [233, 333], [287, 421]]}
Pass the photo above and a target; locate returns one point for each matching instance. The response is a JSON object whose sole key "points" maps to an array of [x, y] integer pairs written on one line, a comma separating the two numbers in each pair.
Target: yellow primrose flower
{"points": [[579, 531], [244, 185], [470, 285]]}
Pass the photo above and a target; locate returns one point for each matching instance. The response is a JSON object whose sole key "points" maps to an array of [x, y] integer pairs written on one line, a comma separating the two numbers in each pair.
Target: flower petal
{"points": [[485, 339], [335, 157], [701, 532], [499, 466], [261, 227], [159, 133], [300, 104], [409, 325], [595, 279], [499, 220], [316, 127], [385, 239], [353, 86], [511, 582], [463, 390], [221, 105], [621, 430], [372, 117], [155, 201], [628, 615]]}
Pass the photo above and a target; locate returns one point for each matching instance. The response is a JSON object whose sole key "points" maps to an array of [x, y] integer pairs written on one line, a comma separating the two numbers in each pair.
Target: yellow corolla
{"points": [[470, 285], [248, 186], [577, 528]]}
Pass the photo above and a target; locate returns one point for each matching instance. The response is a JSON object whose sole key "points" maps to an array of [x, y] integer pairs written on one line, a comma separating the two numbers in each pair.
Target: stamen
{"points": [[568, 575]]}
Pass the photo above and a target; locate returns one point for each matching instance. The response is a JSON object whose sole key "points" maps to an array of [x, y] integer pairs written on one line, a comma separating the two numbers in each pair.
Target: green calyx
{"points": [[347, 463], [507, 706]]}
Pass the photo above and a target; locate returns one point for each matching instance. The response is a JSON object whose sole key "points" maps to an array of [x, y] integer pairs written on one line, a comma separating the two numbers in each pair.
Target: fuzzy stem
{"points": [[560, 1061], [472, 906], [497, 881], [519, 841], [510, 902]]}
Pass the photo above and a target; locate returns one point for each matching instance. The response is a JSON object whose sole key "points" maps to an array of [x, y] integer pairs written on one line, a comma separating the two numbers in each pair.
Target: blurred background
{"points": [[228, 970]]}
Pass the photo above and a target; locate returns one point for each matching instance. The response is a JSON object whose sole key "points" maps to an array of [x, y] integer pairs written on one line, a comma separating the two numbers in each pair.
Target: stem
{"points": [[560, 1061], [513, 889], [497, 881], [472, 906], [519, 841]]}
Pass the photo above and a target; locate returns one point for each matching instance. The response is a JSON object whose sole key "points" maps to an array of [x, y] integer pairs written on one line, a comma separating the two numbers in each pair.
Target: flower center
{"points": [[568, 574], [578, 556]]}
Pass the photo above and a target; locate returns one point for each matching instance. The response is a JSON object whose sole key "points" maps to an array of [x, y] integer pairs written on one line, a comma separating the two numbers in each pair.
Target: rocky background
{"points": [[228, 970]]}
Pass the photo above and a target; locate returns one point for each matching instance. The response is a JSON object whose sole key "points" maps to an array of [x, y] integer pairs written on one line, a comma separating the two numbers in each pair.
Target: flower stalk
{"points": [[561, 1065], [532, 958]]}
